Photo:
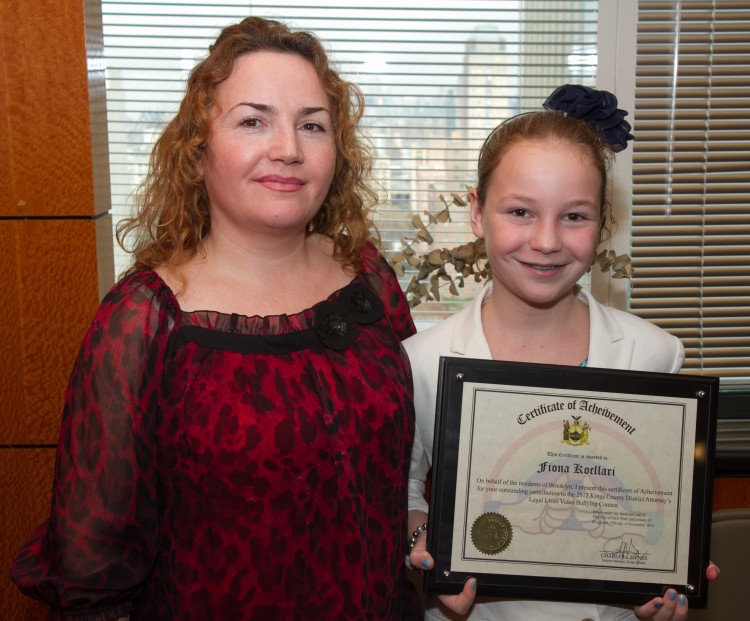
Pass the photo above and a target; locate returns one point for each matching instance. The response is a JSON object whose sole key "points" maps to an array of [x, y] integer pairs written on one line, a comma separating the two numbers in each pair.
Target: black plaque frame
{"points": [[456, 372]]}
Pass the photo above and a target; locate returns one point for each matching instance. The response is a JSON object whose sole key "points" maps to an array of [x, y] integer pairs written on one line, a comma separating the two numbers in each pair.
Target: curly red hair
{"points": [[172, 205]]}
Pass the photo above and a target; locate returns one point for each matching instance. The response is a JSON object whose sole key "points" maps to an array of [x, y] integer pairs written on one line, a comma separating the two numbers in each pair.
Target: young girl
{"points": [[540, 205]]}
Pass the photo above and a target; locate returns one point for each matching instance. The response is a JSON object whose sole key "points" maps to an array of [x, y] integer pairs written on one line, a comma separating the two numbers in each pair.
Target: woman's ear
{"points": [[476, 214]]}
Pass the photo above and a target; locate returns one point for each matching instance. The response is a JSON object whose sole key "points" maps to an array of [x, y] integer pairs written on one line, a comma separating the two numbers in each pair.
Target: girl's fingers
{"points": [[672, 607], [461, 603]]}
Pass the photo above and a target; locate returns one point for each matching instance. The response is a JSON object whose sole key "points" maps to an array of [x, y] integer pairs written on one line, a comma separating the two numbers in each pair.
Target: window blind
{"points": [[691, 180], [437, 76]]}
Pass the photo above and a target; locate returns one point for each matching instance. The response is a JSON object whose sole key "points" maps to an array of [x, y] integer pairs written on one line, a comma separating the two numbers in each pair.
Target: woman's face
{"points": [[271, 153], [540, 220]]}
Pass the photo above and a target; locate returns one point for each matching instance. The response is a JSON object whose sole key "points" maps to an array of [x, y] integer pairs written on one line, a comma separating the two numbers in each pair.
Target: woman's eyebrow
{"points": [[271, 109]]}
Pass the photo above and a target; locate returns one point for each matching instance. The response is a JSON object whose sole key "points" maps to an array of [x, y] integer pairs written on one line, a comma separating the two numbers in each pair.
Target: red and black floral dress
{"points": [[215, 466]]}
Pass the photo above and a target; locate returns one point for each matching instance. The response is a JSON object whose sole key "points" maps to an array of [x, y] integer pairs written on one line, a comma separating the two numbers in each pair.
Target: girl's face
{"points": [[540, 220]]}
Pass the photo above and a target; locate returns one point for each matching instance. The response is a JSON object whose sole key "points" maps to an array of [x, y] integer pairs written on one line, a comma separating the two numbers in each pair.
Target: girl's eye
{"points": [[519, 213], [578, 217]]}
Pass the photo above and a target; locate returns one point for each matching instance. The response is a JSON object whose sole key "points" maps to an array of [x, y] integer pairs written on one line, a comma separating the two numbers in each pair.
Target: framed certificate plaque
{"points": [[567, 483]]}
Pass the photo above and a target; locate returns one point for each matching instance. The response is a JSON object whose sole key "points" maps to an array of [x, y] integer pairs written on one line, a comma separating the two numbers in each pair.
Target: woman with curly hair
{"points": [[237, 428]]}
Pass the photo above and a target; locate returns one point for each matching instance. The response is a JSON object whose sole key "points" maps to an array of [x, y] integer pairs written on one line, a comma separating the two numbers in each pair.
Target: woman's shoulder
{"points": [[138, 293], [371, 257], [145, 283], [379, 276], [375, 267]]}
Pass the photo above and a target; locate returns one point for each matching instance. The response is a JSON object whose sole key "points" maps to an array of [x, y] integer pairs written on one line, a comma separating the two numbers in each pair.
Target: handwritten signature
{"points": [[618, 544]]}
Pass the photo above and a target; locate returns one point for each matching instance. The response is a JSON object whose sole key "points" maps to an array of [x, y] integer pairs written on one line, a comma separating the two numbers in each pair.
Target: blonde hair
{"points": [[172, 204]]}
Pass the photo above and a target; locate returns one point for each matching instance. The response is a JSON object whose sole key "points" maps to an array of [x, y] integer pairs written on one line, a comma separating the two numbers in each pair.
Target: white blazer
{"points": [[617, 340]]}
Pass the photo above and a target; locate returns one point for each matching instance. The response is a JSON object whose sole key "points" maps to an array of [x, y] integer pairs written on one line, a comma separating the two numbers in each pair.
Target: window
{"points": [[437, 76], [691, 180], [691, 189]]}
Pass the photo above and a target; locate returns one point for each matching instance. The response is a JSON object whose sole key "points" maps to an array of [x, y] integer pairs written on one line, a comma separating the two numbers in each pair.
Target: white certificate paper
{"points": [[590, 484]]}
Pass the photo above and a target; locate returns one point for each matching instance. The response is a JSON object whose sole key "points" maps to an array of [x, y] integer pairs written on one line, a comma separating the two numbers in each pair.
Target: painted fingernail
{"points": [[681, 601], [672, 595], [426, 563], [473, 584], [658, 605]]}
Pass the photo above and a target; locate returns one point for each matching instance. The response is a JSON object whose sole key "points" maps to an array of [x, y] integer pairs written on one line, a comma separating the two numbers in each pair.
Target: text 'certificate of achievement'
{"points": [[571, 483]]}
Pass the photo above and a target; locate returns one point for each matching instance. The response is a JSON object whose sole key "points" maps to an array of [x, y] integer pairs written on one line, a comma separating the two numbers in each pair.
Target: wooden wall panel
{"points": [[48, 105], [731, 493], [54, 291], [5, 152], [26, 479], [11, 373], [54, 230]]}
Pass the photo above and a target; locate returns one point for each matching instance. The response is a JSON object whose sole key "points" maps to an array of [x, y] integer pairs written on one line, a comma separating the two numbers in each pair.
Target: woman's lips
{"points": [[281, 184]]}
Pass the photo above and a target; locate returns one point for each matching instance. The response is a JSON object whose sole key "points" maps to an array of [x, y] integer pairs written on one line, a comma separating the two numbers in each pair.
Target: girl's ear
{"points": [[476, 214]]}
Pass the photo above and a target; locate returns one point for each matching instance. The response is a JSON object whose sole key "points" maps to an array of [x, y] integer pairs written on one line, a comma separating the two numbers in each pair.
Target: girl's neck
{"points": [[557, 333]]}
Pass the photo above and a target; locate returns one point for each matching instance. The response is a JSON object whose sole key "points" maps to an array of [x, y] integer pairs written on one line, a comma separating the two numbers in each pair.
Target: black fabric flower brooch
{"points": [[336, 323], [596, 107]]}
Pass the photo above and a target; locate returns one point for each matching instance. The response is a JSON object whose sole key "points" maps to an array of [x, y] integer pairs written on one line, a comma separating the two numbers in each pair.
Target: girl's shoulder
{"points": [[651, 348], [631, 325]]}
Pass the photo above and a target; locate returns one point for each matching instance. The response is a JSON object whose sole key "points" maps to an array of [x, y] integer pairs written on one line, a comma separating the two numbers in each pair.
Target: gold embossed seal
{"points": [[491, 533]]}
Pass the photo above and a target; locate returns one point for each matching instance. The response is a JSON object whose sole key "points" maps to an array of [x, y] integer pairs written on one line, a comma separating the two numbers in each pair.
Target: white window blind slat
{"points": [[691, 179], [437, 76], [410, 59]]}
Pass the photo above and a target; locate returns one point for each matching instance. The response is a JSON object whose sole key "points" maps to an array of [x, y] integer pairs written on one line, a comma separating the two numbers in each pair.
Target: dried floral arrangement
{"points": [[597, 108], [468, 260]]}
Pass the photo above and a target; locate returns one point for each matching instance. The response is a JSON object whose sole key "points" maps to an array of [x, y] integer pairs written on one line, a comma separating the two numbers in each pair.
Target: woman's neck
{"points": [[284, 278]]}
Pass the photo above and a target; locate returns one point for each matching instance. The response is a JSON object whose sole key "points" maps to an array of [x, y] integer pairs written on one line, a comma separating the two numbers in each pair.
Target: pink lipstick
{"points": [[281, 184]]}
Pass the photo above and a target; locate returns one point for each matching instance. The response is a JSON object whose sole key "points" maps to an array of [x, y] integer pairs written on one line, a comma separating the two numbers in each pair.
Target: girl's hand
{"points": [[459, 604], [673, 606], [712, 571]]}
